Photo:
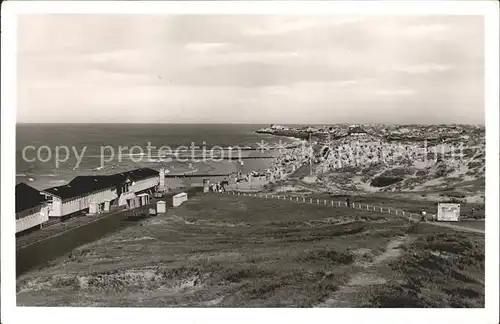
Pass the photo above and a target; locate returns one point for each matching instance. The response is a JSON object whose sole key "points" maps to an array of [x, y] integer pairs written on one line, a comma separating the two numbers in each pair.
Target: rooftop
{"points": [[85, 184], [27, 197]]}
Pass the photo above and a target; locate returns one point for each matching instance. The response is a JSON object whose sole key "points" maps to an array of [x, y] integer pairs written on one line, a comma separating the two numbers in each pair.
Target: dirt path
{"points": [[345, 296], [458, 227]]}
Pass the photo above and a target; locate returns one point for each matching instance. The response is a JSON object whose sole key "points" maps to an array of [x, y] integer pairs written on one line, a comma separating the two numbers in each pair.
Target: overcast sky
{"points": [[250, 69]]}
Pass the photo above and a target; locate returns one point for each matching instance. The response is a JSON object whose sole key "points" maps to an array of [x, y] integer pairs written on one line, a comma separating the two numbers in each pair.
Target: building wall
{"points": [[60, 208], [31, 218], [136, 187], [80, 203], [55, 208]]}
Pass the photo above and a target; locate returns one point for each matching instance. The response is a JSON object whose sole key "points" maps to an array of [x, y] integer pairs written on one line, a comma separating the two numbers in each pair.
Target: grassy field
{"points": [[228, 251], [439, 269]]}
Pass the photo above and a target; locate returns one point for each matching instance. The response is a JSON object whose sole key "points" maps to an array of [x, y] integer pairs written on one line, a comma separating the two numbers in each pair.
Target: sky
{"points": [[250, 69]]}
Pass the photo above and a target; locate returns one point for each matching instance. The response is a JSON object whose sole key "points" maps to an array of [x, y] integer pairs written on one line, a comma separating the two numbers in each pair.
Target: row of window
{"points": [[33, 213], [85, 199]]}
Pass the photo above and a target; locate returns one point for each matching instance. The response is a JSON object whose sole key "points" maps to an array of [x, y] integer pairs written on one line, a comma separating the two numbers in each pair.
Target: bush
{"points": [[474, 164], [396, 172], [421, 173], [385, 181], [330, 256]]}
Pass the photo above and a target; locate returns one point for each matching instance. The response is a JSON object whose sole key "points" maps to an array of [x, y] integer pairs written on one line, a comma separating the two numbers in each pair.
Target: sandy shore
{"points": [[61, 177]]}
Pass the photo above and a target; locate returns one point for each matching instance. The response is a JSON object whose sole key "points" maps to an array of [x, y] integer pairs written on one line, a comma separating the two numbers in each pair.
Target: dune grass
{"points": [[228, 251], [439, 269]]}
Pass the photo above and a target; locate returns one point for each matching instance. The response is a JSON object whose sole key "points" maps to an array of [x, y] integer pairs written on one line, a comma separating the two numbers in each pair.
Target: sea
{"points": [[50, 155]]}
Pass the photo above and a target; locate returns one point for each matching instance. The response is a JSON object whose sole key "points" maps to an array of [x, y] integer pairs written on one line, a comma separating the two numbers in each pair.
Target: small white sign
{"points": [[448, 212]]}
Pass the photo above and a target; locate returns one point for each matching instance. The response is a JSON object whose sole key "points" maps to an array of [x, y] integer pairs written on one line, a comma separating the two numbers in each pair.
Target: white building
{"points": [[31, 208], [120, 189], [178, 199]]}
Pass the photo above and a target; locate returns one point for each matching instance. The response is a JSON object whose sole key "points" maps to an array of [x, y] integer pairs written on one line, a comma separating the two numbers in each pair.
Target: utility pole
{"points": [[310, 156]]}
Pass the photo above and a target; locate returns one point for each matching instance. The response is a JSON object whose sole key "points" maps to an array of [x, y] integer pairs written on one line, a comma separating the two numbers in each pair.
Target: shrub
{"points": [[396, 172], [385, 181], [330, 256], [421, 173]]}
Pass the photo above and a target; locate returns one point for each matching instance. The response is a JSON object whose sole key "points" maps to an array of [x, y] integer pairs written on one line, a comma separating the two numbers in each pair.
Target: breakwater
{"points": [[229, 157], [196, 175]]}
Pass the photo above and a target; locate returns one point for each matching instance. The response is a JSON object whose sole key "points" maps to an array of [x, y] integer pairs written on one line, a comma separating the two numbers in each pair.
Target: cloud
{"points": [[424, 68], [394, 92], [282, 26], [278, 27], [426, 29], [220, 68], [204, 47]]}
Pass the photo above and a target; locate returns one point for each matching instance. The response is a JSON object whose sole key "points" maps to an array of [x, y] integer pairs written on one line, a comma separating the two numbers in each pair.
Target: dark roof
{"points": [[138, 174], [82, 185], [27, 197]]}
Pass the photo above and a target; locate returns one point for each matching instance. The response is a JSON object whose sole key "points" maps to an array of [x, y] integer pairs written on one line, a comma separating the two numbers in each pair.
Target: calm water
{"points": [[94, 137]]}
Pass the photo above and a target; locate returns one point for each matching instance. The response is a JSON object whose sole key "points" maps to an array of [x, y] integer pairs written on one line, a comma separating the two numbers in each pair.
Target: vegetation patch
{"points": [[327, 256], [383, 181], [433, 279]]}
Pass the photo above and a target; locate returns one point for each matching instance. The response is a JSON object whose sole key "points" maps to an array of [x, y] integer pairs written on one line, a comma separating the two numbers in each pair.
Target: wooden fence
{"points": [[334, 203]]}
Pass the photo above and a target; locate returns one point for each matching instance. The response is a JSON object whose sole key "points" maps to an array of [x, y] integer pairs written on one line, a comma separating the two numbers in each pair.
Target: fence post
{"points": [[332, 202], [303, 199], [310, 200]]}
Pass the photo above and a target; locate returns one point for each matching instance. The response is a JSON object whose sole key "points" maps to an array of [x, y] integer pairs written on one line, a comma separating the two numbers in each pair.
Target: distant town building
{"points": [[355, 130], [278, 127]]}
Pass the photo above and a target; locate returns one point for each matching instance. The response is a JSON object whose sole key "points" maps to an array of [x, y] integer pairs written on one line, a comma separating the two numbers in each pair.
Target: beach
{"points": [[92, 140]]}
